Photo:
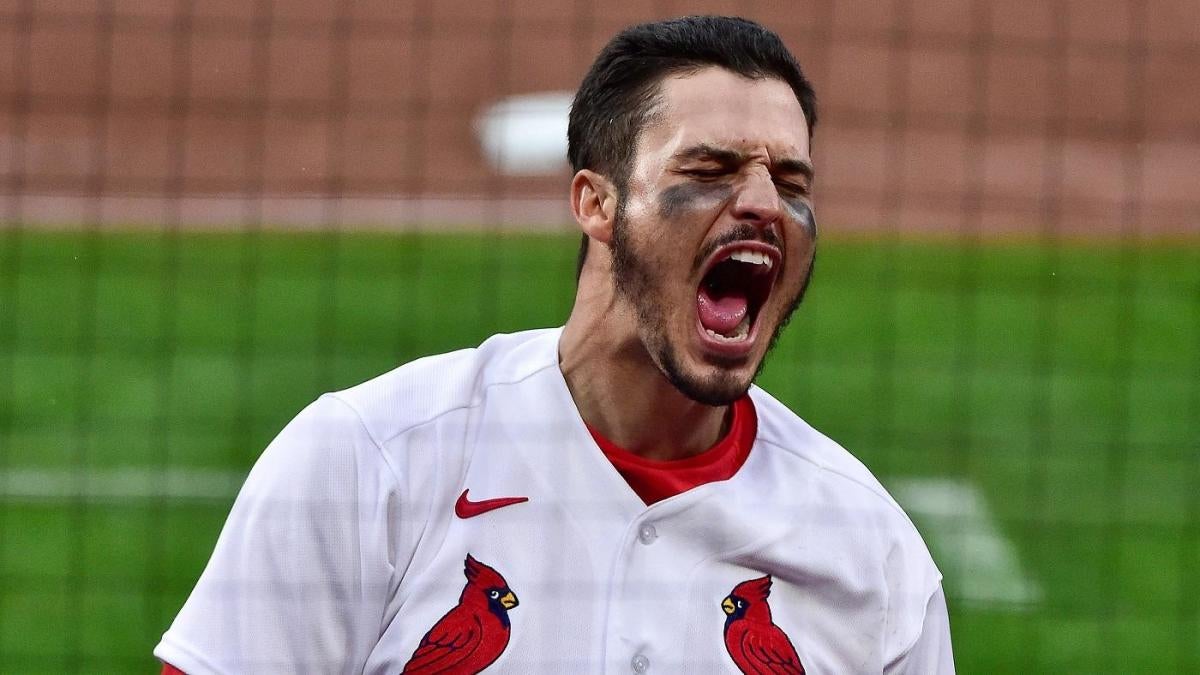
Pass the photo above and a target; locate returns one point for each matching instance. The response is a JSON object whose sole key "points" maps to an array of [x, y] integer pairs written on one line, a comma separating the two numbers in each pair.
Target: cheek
{"points": [[800, 258], [804, 245], [801, 212], [684, 199]]}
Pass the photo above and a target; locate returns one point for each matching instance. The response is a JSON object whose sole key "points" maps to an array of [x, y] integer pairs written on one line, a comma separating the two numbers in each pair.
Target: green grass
{"points": [[1063, 382]]}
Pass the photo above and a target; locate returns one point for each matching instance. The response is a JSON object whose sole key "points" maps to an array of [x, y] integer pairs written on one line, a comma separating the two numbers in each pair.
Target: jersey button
{"points": [[647, 534], [639, 664]]}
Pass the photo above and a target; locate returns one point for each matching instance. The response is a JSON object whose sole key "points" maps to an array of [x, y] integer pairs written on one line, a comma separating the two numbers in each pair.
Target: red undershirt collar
{"points": [[656, 480]]}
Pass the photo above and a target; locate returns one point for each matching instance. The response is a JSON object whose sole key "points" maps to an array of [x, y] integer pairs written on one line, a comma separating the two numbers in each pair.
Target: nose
{"points": [[758, 201]]}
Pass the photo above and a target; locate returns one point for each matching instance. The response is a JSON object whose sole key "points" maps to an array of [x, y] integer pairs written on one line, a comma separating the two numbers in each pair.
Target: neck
{"points": [[620, 391]]}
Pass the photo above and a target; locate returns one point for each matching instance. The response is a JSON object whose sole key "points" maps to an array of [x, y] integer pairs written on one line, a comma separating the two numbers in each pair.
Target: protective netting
{"points": [[213, 211]]}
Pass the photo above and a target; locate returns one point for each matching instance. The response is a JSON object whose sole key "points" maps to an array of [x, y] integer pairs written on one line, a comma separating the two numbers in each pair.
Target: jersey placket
{"points": [[651, 585]]}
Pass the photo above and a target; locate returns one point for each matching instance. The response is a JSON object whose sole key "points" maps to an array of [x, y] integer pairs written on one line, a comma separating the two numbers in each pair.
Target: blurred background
{"points": [[211, 212]]}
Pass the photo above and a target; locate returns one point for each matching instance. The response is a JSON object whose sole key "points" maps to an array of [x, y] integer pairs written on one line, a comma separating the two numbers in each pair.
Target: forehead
{"points": [[718, 107]]}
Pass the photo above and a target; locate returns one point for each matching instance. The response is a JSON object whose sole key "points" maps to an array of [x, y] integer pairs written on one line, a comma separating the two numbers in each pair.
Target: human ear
{"points": [[594, 205]]}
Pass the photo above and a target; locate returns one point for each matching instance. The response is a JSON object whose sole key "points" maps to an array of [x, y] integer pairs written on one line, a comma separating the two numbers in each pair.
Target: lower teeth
{"points": [[740, 333]]}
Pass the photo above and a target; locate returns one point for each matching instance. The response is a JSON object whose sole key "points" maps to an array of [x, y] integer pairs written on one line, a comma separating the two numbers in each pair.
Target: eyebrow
{"points": [[704, 151]]}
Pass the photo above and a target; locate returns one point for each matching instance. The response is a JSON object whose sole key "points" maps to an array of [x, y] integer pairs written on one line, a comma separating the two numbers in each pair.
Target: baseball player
{"points": [[614, 495]]}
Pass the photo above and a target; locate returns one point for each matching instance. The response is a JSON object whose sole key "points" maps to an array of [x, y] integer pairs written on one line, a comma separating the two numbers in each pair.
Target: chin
{"points": [[714, 384], [716, 392]]}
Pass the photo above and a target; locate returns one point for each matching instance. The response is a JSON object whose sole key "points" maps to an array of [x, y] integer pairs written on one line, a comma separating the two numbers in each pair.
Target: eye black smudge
{"points": [[677, 199], [803, 214]]}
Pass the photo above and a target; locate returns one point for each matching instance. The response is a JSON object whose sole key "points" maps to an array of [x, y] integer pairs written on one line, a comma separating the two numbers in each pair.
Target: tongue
{"points": [[722, 313]]}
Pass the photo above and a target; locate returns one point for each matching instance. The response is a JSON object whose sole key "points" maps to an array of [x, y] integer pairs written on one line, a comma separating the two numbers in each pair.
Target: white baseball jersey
{"points": [[347, 549]]}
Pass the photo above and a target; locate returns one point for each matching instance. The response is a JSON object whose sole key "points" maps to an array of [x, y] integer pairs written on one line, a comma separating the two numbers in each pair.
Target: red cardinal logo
{"points": [[753, 641], [474, 632]]}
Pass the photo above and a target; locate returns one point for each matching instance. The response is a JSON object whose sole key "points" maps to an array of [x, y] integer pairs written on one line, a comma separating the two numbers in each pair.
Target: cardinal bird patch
{"points": [[753, 641], [474, 632]]}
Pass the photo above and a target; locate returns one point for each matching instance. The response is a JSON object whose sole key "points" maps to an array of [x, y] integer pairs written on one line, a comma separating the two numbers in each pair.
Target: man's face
{"points": [[715, 236]]}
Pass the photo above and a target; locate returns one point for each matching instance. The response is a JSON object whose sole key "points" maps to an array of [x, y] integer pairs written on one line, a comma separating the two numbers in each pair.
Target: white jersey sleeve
{"points": [[931, 654], [302, 569]]}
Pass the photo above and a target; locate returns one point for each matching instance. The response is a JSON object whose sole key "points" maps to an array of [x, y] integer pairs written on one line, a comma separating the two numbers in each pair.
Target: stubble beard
{"points": [[635, 281]]}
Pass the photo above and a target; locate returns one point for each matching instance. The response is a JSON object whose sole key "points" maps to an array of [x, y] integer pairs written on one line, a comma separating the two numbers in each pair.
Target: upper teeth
{"points": [[752, 257]]}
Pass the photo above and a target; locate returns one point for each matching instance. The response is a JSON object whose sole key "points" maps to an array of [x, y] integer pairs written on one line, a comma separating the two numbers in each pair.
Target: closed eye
{"points": [[793, 189], [705, 173]]}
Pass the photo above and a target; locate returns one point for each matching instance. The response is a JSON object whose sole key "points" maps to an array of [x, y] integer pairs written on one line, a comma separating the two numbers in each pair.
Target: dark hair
{"points": [[618, 93]]}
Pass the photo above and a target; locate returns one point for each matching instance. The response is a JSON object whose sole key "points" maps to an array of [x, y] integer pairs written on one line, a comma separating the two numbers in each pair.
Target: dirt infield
{"points": [[1054, 117]]}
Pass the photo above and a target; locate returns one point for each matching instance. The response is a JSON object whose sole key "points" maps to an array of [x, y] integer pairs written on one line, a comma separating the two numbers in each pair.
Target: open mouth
{"points": [[734, 288]]}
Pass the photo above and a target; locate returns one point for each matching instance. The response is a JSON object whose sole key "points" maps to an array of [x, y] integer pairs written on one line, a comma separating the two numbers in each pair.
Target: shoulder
{"points": [[839, 481], [860, 518], [789, 435], [423, 390]]}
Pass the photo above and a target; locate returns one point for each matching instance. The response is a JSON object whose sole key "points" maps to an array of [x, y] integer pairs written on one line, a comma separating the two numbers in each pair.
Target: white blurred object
{"points": [[526, 135], [981, 565]]}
